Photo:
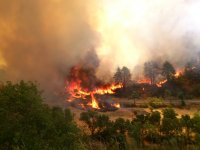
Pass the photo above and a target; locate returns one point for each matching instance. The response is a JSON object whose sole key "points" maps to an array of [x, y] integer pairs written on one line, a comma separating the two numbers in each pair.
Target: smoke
{"points": [[84, 72], [41, 40], [134, 31]]}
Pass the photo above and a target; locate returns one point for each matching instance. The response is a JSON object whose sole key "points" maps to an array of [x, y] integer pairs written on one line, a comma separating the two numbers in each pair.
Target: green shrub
{"points": [[156, 102], [26, 123]]}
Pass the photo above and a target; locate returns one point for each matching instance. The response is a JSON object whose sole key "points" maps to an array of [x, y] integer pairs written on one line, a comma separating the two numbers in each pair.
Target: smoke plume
{"points": [[42, 40], [85, 72]]}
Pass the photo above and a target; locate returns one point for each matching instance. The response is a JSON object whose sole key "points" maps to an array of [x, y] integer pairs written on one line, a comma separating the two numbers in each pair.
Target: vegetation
{"points": [[168, 70], [147, 131], [181, 84], [151, 70], [134, 96], [26, 123], [156, 102], [123, 76]]}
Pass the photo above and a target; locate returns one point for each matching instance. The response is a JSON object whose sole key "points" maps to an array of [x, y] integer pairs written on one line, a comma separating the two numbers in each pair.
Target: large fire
{"points": [[86, 90], [77, 92], [83, 85]]}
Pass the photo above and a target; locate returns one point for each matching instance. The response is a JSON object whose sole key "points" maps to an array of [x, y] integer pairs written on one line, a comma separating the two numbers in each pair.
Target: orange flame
{"points": [[159, 84], [107, 90], [179, 72], [76, 91], [144, 81], [94, 102]]}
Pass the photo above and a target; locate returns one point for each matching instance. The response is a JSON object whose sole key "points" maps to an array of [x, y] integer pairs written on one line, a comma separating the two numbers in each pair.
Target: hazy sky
{"points": [[133, 31]]}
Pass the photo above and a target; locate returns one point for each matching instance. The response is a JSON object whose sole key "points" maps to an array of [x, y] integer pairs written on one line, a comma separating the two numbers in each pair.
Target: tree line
{"points": [[186, 84], [151, 71]]}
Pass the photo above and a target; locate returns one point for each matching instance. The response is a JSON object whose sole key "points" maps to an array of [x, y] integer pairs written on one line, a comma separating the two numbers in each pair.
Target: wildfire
{"points": [[76, 91], [160, 83], [108, 90], [144, 81], [94, 102], [178, 73]]}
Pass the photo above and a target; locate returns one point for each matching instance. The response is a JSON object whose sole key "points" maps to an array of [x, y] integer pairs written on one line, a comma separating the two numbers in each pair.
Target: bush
{"points": [[28, 124], [156, 102]]}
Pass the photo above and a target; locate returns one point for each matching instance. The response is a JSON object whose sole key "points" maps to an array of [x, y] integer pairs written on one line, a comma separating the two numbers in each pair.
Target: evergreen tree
{"points": [[122, 76], [151, 70], [126, 76], [118, 76], [168, 70]]}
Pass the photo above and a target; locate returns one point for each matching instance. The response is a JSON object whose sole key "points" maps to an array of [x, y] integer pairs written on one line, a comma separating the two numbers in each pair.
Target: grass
{"points": [[141, 105]]}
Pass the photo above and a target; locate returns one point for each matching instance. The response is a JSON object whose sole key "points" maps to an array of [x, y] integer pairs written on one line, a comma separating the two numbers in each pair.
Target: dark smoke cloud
{"points": [[41, 40]]}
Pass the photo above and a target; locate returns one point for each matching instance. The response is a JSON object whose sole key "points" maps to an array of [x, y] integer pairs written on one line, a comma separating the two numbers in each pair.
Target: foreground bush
{"points": [[156, 102], [26, 123], [111, 133]]}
